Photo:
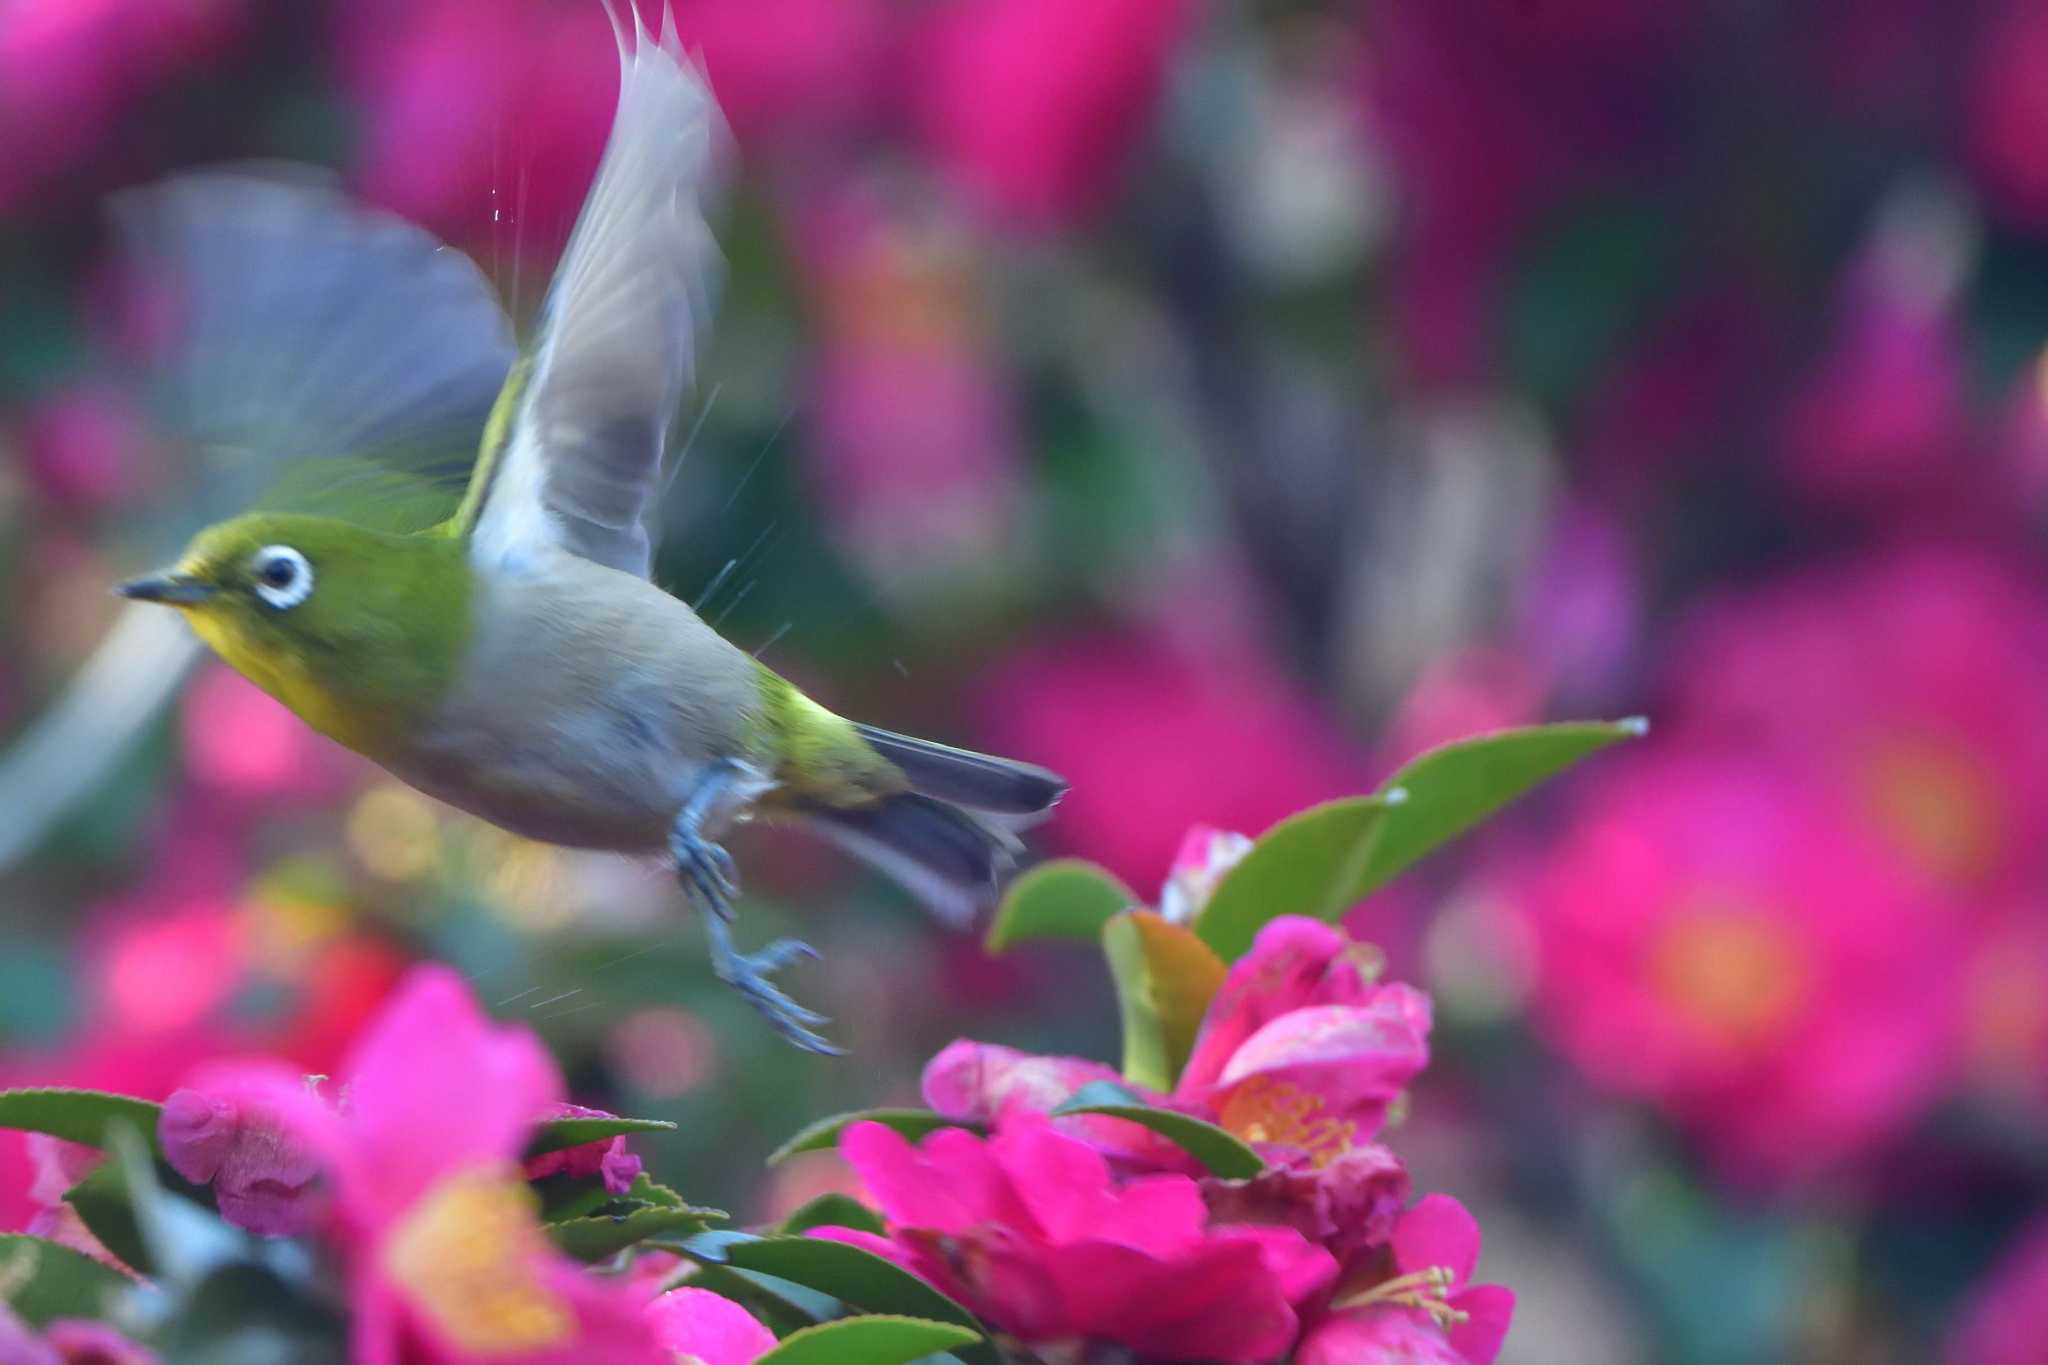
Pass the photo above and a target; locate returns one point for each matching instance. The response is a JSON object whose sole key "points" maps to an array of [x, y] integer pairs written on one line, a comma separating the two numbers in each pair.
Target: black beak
{"points": [[167, 588]]}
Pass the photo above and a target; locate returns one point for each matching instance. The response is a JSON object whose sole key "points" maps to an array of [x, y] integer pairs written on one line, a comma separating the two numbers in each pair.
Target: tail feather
{"points": [[949, 858], [980, 782]]}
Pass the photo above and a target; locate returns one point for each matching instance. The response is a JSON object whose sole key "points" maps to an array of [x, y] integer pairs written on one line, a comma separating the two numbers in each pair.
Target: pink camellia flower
{"points": [[2005, 1320], [1303, 1050], [429, 1205], [1301, 1053], [1029, 1229], [220, 1131], [606, 1157], [1423, 1307], [1348, 1204], [1715, 937], [83, 443], [707, 1328], [1034, 106], [56, 1166], [1909, 682]]}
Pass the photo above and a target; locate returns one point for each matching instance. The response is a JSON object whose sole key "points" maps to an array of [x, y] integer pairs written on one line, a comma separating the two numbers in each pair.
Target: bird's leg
{"points": [[706, 871]]}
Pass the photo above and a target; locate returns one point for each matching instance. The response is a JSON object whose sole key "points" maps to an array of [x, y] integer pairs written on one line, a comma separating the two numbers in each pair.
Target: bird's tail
{"points": [[951, 838]]}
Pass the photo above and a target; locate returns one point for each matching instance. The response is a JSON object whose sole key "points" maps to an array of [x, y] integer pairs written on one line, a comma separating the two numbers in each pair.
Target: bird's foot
{"points": [[705, 868], [748, 974]]}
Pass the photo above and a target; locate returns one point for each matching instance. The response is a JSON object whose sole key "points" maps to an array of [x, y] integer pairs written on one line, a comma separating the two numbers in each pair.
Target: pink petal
{"points": [[1062, 1182], [1488, 1309], [715, 1330], [1347, 1205], [95, 1343], [1219, 1303], [1299, 1267], [1379, 1336], [195, 1131], [1438, 1231], [607, 1157], [1294, 962], [946, 1186], [433, 1086]]}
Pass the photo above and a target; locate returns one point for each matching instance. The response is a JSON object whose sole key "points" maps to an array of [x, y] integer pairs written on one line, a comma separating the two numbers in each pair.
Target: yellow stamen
{"points": [[468, 1258], [1427, 1289]]}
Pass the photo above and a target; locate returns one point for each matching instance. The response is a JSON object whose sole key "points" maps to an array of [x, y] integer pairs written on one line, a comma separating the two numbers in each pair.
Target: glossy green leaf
{"points": [[872, 1340], [1066, 899], [557, 1134], [1165, 977], [824, 1134], [834, 1210], [1324, 860], [1456, 786], [786, 1307], [600, 1237], [1219, 1151], [51, 1281], [76, 1115], [848, 1273]]}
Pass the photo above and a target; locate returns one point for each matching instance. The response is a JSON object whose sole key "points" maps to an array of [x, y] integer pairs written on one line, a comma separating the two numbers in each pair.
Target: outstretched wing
{"points": [[316, 354], [580, 463]]}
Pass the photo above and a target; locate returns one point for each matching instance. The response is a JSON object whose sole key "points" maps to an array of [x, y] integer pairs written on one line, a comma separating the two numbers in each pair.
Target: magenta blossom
{"points": [[1029, 1229], [606, 1157], [708, 1328], [1421, 1305], [1205, 855], [1910, 683], [429, 1205], [1303, 1051], [1714, 937], [222, 1130]]}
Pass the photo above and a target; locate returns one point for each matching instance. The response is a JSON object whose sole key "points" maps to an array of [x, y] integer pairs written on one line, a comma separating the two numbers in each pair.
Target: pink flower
{"points": [[241, 741], [1715, 938], [1302, 1051], [447, 1259], [987, 1083], [1029, 1229], [1205, 855], [607, 1157], [221, 1131], [1157, 737], [81, 1342], [1348, 1204], [705, 1327], [83, 443], [2005, 1320], [2008, 107], [1424, 1308], [57, 1165], [1909, 683], [1035, 106]]}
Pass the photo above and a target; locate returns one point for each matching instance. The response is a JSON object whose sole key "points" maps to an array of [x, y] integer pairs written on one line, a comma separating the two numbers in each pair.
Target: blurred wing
{"points": [[581, 463], [318, 354]]}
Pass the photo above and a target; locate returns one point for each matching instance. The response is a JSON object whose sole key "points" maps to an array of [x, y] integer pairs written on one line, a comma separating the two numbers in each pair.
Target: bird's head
{"points": [[339, 622]]}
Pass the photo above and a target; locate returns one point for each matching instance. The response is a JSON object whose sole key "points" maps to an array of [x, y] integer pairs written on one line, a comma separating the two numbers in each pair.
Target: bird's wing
{"points": [[575, 459], [314, 353]]}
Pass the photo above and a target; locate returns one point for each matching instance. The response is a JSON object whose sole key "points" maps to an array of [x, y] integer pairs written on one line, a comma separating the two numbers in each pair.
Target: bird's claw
{"points": [[707, 872], [748, 974]]}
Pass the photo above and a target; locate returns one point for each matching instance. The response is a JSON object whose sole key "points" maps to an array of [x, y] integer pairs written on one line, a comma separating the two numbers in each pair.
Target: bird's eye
{"points": [[283, 577]]}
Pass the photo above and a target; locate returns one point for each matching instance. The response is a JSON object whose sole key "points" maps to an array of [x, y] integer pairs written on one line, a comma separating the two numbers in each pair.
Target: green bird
{"points": [[513, 658]]}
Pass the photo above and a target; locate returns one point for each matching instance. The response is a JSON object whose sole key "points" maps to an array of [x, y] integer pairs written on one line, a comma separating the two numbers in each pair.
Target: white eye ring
{"points": [[283, 577]]}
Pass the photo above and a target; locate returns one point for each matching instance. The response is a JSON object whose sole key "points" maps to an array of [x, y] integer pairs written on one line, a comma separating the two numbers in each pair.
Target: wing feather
{"points": [[581, 466]]}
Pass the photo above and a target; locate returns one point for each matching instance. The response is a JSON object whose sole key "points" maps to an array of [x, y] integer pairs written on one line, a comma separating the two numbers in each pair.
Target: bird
{"points": [[513, 657]]}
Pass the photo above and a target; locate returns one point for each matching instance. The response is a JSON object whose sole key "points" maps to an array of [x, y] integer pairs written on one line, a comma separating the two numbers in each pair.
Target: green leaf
{"points": [[872, 1340], [1326, 859], [785, 1306], [847, 1273], [106, 1206], [1165, 977], [48, 1281], [1218, 1150], [563, 1199], [600, 1237], [557, 1134], [1068, 898], [824, 1134], [834, 1210], [76, 1115]]}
